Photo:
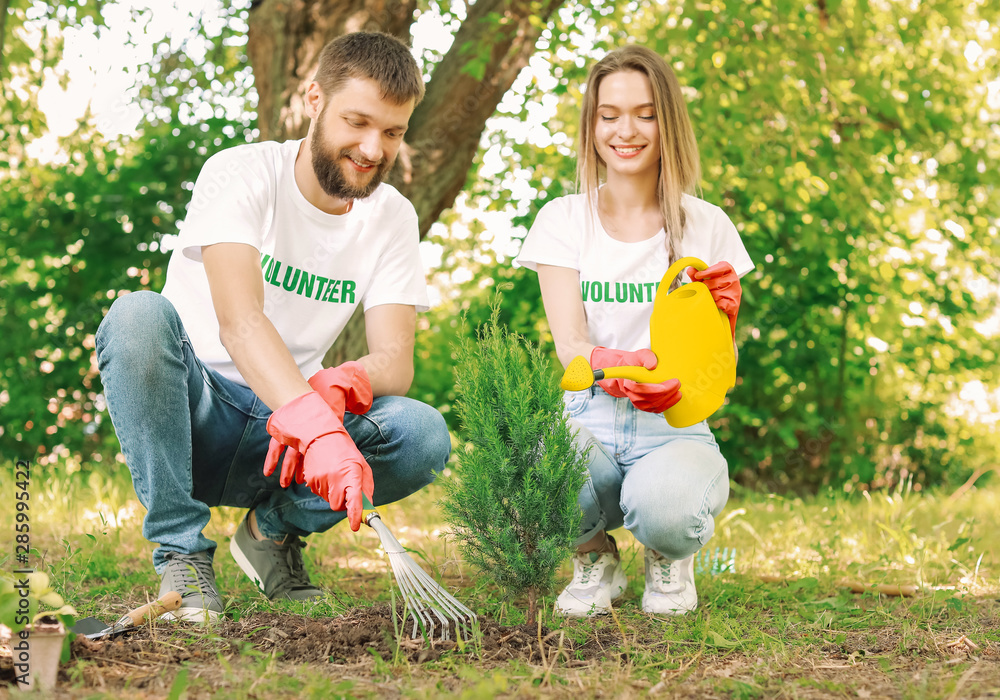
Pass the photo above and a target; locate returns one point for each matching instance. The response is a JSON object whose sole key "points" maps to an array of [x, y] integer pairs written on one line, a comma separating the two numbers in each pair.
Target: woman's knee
{"points": [[675, 522], [675, 536]]}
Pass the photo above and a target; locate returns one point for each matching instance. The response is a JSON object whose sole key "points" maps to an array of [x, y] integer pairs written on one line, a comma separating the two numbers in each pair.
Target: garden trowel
{"points": [[92, 628]]}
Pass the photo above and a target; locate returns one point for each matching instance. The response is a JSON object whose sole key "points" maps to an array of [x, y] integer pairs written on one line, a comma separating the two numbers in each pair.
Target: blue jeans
{"points": [[193, 439], [665, 485]]}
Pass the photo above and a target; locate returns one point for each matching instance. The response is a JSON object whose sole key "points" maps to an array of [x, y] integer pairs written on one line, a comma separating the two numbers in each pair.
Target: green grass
{"points": [[803, 635]]}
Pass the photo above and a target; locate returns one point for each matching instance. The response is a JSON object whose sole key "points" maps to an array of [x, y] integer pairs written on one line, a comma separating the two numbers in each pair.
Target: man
{"points": [[281, 242]]}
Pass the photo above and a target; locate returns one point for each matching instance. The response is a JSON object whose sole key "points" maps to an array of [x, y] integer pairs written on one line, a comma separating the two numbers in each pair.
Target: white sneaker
{"points": [[598, 579], [669, 585]]}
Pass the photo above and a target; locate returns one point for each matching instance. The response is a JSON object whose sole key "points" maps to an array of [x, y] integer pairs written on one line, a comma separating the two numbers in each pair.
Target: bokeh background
{"points": [[854, 143]]}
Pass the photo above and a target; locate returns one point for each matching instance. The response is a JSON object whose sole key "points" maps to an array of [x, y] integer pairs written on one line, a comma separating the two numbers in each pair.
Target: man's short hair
{"points": [[374, 55]]}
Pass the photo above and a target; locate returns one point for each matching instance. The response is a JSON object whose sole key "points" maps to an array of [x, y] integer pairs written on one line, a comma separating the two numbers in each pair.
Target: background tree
{"points": [[78, 232]]}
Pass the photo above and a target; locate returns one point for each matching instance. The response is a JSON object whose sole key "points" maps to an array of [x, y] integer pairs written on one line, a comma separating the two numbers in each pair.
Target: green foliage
{"points": [[21, 598], [848, 148], [76, 234], [454, 320], [512, 502]]}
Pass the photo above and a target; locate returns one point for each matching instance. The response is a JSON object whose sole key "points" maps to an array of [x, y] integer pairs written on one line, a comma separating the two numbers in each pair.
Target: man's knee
{"points": [[434, 438], [135, 319]]}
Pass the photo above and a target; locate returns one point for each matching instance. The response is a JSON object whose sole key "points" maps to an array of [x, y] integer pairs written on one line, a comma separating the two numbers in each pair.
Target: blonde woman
{"points": [[599, 256]]}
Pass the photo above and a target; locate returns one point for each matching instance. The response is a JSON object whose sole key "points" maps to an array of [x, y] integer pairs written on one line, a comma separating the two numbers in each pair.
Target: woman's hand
{"points": [[724, 285], [653, 398], [601, 358]]}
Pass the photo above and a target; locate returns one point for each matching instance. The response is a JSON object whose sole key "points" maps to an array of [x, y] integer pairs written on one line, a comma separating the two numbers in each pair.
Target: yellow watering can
{"points": [[702, 357]]}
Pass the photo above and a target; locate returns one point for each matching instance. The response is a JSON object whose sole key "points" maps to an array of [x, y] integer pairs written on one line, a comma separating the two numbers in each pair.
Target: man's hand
{"points": [[653, 398], [724, 284], [608, 357], [344, 387], [320, 454]]}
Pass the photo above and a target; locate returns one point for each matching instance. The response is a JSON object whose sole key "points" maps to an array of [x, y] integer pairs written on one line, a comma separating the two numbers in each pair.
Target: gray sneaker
{"points": [[277, 569], [192, 576]]}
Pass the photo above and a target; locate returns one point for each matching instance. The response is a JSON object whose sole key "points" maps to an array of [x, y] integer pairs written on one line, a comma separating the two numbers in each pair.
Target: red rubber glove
{"points": [[724, 284], [653, 398], [323, 455], [607, 357], [344, 387]]}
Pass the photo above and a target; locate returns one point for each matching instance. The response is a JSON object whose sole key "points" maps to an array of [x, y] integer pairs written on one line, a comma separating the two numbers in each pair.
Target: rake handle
{"points": [[369, 511]]}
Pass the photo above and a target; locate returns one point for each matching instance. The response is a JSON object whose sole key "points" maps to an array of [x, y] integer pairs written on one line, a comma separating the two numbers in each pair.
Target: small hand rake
{"points": [[426, 601]]}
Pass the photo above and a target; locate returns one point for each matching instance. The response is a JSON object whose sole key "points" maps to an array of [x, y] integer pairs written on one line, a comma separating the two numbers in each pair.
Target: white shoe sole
{"points": [[244, 563], [671, 612], [656, 605]]}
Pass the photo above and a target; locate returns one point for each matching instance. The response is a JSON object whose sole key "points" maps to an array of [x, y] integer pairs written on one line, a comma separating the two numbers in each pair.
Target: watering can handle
{"points": [[677, 268]]}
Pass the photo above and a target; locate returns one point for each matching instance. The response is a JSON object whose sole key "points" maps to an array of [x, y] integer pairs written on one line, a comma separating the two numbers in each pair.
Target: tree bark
{"points": [[497, 38], [284, 41], [533, 610], [4, 6]]}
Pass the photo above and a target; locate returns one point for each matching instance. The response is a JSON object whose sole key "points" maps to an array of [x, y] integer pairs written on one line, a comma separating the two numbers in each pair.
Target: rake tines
{"points": [[423, 597]]}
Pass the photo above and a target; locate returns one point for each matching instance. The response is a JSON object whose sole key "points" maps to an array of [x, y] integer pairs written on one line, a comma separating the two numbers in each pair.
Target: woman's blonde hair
{"points": [[680, 167]]}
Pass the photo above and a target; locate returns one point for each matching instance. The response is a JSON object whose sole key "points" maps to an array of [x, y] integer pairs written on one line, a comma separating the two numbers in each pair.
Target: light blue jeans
{"points": [[665, 485], [193, 439]]}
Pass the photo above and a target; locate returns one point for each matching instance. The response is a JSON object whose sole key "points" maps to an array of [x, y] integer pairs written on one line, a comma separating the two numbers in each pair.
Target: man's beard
{"points": [[330, 172]]}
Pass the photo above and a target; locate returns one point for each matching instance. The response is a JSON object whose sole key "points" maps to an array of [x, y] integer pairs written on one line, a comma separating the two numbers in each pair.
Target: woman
{"points": [[637, 167]]}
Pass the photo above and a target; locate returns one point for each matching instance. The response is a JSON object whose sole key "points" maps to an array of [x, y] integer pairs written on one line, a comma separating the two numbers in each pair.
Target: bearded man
{"points": [[206, 382]]}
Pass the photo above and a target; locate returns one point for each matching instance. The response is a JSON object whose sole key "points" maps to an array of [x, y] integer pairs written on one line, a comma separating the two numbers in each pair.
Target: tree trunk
{"points": [[4, 5], [533, 608], [491, 47], [284, 42]]}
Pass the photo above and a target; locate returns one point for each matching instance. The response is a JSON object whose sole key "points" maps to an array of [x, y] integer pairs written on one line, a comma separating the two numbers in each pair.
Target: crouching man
{"points": [[206, 382]]}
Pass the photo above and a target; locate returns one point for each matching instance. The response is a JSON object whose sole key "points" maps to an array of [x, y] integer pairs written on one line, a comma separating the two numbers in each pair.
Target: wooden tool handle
{"points": [[907, 590], [166, 603]]}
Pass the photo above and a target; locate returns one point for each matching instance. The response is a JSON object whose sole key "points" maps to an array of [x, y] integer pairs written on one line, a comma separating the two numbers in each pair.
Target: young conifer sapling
{"points": [[512, 502]]}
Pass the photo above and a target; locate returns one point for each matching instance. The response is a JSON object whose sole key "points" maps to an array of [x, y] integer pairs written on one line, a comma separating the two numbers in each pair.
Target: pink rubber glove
{"points": [[653, 398], [323, 455], [724, 284], [608, 357], [344, 387]]}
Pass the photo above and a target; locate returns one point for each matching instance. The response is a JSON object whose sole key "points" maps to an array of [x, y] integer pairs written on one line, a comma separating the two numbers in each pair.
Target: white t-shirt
{"points": [[618, 280], [317, 267]]}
